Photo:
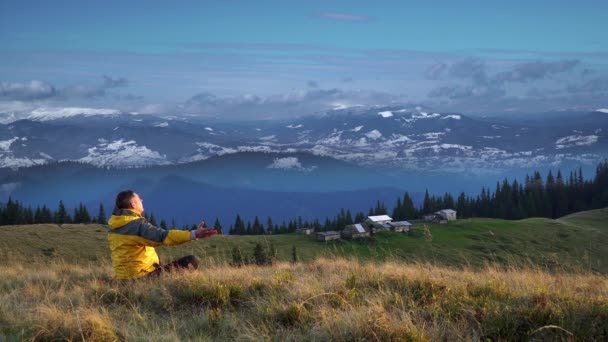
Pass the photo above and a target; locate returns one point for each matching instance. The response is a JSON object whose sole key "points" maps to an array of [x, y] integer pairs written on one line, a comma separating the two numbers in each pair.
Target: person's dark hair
{"points": [[123, 199]]}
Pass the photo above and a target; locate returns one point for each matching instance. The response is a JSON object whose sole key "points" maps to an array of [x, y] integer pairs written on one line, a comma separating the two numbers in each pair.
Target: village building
{"points": [[328, 236], [377, 223], [354, 231], [400, 226], [434, 218], [306, 231], [447, 214]]}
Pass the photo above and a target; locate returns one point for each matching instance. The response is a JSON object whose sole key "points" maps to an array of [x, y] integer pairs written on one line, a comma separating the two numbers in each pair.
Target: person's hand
{"points": [[205, 232], [201, 225]]}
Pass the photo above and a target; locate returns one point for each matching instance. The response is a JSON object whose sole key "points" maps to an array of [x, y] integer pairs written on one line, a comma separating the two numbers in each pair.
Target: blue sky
{"points": [[157, 56]]}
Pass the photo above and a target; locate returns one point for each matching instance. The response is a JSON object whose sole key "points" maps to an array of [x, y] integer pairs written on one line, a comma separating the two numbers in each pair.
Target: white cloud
{"points": [[343, 16], [7, 189], [34, 90]]}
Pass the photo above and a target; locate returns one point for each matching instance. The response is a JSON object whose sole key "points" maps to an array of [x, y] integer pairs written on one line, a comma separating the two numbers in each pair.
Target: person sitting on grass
{"points": [[132, 240]]}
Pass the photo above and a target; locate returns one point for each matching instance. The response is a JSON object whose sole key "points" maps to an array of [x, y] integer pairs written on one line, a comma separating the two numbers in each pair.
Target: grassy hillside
{"points": [[338, 299], [573, 242], [56, 284]]}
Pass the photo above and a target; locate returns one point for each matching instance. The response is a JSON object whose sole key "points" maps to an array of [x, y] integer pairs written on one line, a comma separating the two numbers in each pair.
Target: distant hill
{"points": [[593, 219], [283, 186]]}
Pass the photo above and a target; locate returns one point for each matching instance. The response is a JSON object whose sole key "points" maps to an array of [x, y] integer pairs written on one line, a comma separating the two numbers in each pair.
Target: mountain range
{"points": [[390, 136], [192, 166]]}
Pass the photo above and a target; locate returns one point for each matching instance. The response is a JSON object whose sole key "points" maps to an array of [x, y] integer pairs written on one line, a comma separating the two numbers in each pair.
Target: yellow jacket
{"points": [[132, 241]]}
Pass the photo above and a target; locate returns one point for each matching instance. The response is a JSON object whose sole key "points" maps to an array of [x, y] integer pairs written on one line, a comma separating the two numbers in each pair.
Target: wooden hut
{"points": [[400, 226], [447, 214], [306, 231], [435, 218], [328, 236], [377, 223], [354, 231]]}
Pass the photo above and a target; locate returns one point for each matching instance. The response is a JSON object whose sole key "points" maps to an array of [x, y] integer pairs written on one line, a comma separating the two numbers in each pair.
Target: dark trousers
{"points": [[187, 262]]}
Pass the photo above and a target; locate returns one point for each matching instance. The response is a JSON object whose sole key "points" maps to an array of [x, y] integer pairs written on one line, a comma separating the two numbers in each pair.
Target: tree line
{"points": [[14, 213], [553, 196]]}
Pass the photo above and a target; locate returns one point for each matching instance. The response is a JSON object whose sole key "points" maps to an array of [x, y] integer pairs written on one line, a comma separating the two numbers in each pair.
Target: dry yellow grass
{"points": [[325, 299]]}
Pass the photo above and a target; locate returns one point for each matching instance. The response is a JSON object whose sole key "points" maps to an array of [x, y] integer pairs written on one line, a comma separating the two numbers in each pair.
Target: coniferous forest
{"points": [[552, 196]]}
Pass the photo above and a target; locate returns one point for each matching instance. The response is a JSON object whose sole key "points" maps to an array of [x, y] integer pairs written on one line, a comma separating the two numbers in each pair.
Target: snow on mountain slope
{"points": [[575, 140], [124, 154], [6, 144], [45, 114], [8, 158], [290, 163], [374, 134]]}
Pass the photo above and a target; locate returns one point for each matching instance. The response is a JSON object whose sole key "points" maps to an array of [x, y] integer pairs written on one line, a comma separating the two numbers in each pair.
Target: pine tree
{"points": [[152, 219], [359, 217], [256, 229], [398, 211], [294, 254], [101, 216], [163, 224], [549, 195], [560, 207], [61, 215], [272, 253], [349, 219], [76, 216], [259, 255], [237, 257], [461, 206], [426, 203], [11, 213], [38, 215], [239, 226], [409, 211], [218, 226], [46, 215], [83, 214], [28, 216]]}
